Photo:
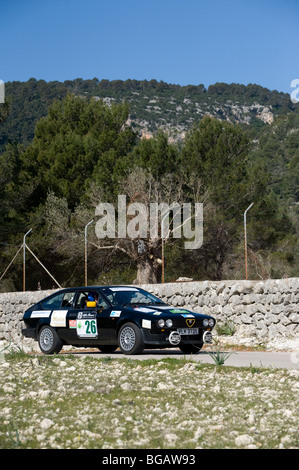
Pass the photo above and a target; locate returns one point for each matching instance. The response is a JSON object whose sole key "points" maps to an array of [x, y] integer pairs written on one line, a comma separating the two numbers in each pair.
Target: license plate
{"points": [[188, 331]]}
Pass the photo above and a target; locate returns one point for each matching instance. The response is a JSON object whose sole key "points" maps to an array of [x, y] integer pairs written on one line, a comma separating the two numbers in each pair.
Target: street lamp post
{"points": [[245, 236], [86, 250]]}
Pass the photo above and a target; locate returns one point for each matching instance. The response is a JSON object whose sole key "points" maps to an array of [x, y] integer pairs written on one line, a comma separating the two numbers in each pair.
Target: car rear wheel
{"points": [[49, 341], [130, 339], [190, 348]]}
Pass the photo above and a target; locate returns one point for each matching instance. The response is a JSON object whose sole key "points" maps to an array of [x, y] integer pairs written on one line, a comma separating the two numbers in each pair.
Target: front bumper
{"points": [[29, 333], [166, 338]]}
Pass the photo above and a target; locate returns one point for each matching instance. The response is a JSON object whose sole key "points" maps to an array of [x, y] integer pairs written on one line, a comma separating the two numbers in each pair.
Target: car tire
{"points": [[130, 339], [49, 341], [190, 348], [107, 348]]}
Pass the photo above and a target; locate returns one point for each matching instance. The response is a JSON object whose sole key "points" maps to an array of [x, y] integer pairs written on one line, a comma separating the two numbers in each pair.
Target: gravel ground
{"points": [[69, 403], [273, 344]]}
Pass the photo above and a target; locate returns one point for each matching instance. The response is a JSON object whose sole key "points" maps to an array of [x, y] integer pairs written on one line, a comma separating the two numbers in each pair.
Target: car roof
{"points": [[94, 287]]}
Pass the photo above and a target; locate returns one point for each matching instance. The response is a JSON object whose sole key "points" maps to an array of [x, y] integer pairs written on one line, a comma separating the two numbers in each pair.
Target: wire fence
{"points": [[27, 267], [26, 271], [24, 268]]}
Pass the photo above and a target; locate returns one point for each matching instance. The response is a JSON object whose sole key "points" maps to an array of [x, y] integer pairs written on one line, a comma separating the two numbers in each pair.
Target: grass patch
{"points": [[227, 328]]}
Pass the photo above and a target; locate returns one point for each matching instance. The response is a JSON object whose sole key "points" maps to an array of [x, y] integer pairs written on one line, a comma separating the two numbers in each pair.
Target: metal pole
{"points": [[86, 250], [24, 260], [162, 261], [162, 239], [245, 236]]}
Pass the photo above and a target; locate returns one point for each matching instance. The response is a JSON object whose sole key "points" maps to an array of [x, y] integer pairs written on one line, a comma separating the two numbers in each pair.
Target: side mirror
{"points": [[91, 304]]}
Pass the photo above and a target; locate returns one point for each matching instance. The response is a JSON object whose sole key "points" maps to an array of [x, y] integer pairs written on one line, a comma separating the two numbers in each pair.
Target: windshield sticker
{"points": [[124, 289], [179, 310], [115, 313], [144, 310], [58, 318], [163, 307], [40, 314], [146, 324]]}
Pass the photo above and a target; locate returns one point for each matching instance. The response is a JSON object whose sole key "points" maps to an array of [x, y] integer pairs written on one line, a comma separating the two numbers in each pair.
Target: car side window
{"points": [[54, 302], [68, 299], [102, 303], [83, 297], [62, 300]]}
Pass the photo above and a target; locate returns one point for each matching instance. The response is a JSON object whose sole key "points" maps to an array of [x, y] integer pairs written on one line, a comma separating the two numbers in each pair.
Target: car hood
{"points": [[167, 310]]}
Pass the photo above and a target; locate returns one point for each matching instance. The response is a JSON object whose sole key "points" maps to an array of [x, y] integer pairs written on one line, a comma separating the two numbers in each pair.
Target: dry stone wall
{"points": [[263, 309], [259, 309], [12, 308]]}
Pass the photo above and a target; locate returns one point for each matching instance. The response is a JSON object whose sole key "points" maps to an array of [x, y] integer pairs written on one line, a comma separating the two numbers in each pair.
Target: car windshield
{"points": [[130, 296]]}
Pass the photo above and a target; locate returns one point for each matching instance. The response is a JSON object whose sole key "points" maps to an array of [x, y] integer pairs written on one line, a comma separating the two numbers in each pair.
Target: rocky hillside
{"points": [[153, 105]]}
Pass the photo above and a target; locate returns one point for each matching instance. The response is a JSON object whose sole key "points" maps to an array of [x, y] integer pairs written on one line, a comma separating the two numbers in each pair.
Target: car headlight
{"points": [[205, 322], [169, 323], [211, 322], [161, 323]]}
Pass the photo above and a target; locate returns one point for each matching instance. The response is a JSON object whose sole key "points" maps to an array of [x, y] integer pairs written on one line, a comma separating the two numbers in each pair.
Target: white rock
{"points": [[170, 438], [126, 386], [244, 440], [44, 393], [162, 386], [5, 365], [198, 433], [46, 423]]}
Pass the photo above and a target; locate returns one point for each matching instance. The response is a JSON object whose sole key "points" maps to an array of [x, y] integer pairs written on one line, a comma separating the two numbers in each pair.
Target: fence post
{"points": [[24, 260]]}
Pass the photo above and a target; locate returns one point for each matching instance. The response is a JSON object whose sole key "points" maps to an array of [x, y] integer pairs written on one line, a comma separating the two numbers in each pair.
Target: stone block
{"points": [[246, 319]]}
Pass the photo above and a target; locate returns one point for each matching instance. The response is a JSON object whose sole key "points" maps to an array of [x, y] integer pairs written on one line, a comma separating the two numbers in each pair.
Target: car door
{"points": [[82, 319], [107, 317], [59, 308], [90, 323]]}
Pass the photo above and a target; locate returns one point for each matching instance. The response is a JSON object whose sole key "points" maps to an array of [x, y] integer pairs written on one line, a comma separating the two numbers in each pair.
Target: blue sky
{"points": [[177, 41]]}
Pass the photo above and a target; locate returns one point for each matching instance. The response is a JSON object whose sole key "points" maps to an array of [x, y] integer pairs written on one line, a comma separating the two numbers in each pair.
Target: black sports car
{"points": [[109, 317]]}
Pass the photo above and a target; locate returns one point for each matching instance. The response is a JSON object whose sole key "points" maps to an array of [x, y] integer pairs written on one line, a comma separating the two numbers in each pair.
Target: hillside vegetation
{"points": [[153, 105]]}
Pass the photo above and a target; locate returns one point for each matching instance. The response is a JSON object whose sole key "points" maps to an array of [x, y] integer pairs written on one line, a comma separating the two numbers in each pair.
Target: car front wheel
{"points": [[130, 339], [49, 341]]}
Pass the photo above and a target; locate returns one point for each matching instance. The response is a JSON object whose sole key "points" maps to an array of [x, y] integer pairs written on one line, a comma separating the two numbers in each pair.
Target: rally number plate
{"points": [[87, 328]]}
